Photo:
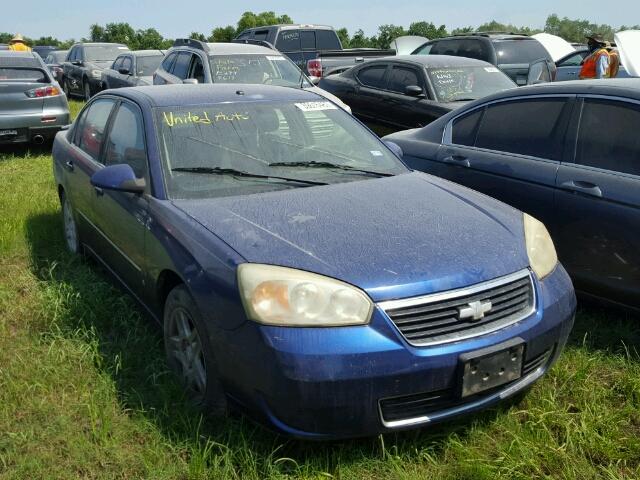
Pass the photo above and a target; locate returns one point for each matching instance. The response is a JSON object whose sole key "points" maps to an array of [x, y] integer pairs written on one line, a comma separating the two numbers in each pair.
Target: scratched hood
{"points": [[394, 237]]}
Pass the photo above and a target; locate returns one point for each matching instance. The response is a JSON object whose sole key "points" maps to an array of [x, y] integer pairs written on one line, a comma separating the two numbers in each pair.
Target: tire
{"points": [[190, 354], [86, 89], [65, 88], [70, 228]]}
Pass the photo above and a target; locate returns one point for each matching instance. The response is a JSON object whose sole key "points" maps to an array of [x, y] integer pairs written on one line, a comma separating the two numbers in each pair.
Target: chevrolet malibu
{"points": [[302, 273]]}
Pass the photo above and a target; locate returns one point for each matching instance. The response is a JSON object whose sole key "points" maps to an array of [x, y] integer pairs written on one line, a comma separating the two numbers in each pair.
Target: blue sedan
{"points": [[299, 269]]}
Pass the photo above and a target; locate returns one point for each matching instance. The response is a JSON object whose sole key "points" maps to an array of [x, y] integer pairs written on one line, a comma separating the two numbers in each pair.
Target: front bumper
{"points": [[342, 382]]}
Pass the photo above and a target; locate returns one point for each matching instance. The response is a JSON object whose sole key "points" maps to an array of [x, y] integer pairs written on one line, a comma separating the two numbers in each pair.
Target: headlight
{"points": [[96, 73], [285, 296], [540, 249]]}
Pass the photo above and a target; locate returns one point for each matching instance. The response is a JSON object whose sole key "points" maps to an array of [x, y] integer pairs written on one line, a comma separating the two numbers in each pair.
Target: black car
{"points": [[82, 69], [513, 54], [568, 154], [44, 50], [132, 69], [408, 91], [54, 61]]}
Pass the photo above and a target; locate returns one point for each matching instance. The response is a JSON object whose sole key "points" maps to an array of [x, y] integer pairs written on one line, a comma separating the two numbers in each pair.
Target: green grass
{"points": [[84, 390]]}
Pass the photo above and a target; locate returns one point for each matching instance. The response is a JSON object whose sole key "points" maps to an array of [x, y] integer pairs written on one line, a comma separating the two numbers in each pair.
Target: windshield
{"points": [[57, 57], [325, 143], [104, 53], [467, 83], [262, 69], [519, 51], [148, 64]]}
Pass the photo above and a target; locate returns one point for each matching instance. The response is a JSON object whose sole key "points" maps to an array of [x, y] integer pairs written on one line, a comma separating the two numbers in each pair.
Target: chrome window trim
{"points": [[462, 292]]}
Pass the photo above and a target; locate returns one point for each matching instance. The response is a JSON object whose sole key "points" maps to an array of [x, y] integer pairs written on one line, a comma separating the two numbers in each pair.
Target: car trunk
{"points": [[14, 100]]}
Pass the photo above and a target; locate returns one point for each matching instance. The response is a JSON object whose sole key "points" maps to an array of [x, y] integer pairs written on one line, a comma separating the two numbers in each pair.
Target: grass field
{"points": [[84, 391]]}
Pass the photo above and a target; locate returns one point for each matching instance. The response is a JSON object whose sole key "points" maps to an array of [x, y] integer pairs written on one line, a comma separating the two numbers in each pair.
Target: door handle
{"points": [[579, 186], [457, 160], [69, 165], [99, 191]]}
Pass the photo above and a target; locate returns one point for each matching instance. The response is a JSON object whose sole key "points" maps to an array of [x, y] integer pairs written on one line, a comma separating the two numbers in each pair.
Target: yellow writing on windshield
{"points": [[172, 119]]}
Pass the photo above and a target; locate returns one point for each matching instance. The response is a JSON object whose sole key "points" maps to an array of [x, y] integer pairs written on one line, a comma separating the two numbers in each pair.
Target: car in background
{"points": [[409, 91], [32, 106], [4, 46], [567, 153], [315, 49], [82, 69], [514, 54], [132, 69], [308, 277], [192, 61], [569, 66], [44, 50], [54, 61]]}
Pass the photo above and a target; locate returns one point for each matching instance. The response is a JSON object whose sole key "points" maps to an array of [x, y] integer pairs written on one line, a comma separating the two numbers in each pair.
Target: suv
{"points": [[193, 61], [514, 54], [82, 69]]}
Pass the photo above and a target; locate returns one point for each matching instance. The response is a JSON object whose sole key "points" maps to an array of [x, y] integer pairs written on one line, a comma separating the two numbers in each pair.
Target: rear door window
{"points": [[372, 76], [93, 126], [401, 77], [181, 66], [327, 40], [525, 127], [261, 34], [608, 136], [308, 40], [519, 51], [445, 47], [288, 41], [465, 128], [471, 48]]}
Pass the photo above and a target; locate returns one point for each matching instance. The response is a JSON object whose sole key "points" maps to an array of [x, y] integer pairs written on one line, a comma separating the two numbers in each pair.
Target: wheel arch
{"points": [[167, 281]]}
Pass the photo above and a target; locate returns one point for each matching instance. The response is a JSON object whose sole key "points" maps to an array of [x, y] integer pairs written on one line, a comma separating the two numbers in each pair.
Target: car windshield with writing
{"points": [[146, 65], [456, 84], [103, 53], [257, 69], [244, 148]]}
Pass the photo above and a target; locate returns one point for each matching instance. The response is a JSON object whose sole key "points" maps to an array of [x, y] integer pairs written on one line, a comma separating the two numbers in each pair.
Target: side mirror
{"points": [[414, 91], [124, 71], [190, 81], [395, 148], [314, 80], [77, 63], [119, 178]]}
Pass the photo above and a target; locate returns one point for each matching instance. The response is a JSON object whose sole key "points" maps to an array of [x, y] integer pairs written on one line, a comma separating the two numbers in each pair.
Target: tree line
{"points": [[121, 32]]}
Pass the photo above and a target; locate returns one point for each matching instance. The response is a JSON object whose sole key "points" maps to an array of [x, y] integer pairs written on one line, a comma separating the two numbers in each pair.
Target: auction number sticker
{"points": [[316, 106], [274, 59], [491, 69]]}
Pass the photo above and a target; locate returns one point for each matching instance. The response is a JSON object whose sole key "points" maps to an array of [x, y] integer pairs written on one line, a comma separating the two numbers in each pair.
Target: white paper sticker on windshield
{"points": [[274, 59], [123, 48], [491, 69], [376, 153], [316, 106]]}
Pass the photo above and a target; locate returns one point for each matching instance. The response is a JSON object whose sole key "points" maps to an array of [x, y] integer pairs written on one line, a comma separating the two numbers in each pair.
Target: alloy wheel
{"points": [[87, 91], [185, 350], [70, 230]]}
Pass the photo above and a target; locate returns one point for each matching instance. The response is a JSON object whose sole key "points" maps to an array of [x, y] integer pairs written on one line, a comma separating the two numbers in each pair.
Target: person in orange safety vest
{"points": [[17, 44], [614, 60], [596, 64]]}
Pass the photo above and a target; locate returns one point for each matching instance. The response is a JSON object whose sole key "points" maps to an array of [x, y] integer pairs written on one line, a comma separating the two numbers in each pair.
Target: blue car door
{"points": [[83, 160], [121, 218], [598, 200], [509, 150]]}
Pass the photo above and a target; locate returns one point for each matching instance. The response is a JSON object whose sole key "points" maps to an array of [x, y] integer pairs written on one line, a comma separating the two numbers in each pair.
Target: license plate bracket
{"points": [[8, 133], [491, 367]]}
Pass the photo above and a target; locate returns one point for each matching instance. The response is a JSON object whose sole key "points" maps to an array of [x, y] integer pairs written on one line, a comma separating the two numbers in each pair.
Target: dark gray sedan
{"points": [[132, 69], [32, 105]]}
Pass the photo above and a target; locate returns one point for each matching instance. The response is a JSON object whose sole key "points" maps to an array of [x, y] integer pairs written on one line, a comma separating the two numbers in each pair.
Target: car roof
{"points": [[440, 60], [207, 94], [491, 35], [99, 44], [10, 58], [292, 26], [145, 53], [220, 48]]}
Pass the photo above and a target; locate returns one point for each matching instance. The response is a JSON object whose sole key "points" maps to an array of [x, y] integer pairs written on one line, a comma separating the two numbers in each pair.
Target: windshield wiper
{"points": [[240, 173], [314, 164]]}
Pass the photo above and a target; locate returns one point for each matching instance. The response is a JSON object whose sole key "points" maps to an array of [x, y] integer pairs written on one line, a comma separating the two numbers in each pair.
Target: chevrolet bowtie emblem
{"points": [[474, 310]]}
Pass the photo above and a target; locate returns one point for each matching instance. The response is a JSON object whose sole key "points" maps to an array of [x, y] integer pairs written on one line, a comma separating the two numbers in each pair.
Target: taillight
{"points": [[42, 92], [314, 67]]}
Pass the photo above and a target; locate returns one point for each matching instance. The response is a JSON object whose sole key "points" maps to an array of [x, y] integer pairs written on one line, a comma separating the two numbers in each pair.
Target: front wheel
{"points": [[65, 88], [189, 352], [71, 237], [87, 90]]}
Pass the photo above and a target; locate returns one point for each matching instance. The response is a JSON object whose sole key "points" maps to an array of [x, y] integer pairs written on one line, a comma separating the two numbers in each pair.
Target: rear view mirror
{"points": [[190, 81], [395, 148], [414, 91], [120, 178]]}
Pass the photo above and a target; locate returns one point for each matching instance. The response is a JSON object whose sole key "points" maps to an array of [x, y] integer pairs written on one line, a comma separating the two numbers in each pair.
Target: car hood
{"points": [[557, 47], [394, 237], [628, 43], [99, 65]]}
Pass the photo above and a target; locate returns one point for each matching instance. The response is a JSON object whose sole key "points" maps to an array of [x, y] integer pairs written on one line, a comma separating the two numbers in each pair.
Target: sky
{"points": [[176, 18]]}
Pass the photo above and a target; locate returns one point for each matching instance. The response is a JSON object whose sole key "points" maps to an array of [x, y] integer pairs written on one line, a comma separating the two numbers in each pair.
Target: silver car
{"points": [[32, 105], [132, 69]]}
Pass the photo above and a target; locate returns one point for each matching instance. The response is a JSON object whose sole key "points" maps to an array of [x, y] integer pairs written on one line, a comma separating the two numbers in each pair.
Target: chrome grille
{"points": [[436, 319]]}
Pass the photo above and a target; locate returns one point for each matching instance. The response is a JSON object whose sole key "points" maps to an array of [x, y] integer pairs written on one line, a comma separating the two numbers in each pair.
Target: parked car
{"points": [[192, 61], [570, 65], [418, 303], [44, 50], [54, 61], [4, 46], [315, 49], [82, 69], [409, 91], [514, 54], [32, 106], [566, 153], [132, 69]]}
